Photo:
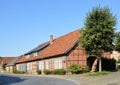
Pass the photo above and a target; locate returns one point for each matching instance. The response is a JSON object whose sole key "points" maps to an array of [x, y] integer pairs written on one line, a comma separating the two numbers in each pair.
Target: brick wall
{"points": [[77, 56], [17, 66], [8, 69]]}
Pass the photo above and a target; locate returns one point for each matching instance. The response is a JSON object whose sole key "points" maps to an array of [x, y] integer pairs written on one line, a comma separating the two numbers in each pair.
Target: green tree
{"points": [[117, 42], [98, 33]]}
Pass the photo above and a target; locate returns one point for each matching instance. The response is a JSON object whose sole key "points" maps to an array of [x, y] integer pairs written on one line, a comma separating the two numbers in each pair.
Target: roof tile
{"points": [[59, 46]]}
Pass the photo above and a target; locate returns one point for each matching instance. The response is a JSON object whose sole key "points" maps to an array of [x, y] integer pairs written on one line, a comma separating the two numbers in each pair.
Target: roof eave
{"points": [[68, 50]]}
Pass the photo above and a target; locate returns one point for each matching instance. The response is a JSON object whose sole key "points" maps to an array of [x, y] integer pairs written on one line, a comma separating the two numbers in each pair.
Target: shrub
{"points": [[4, 67], [59, 71], [21, 72], [14, 71], [52, 72], [46, 71], [86, 69], [38, 71], [18, 72], [75, 69]]}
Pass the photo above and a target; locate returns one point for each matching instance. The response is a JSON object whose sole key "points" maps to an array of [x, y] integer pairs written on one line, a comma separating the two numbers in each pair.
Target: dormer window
{"points": [[36, 54], [27, 56]]}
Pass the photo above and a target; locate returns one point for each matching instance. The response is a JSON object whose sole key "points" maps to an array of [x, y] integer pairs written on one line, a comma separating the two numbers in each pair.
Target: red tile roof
{"points": [[59, 46], [6, 60]]}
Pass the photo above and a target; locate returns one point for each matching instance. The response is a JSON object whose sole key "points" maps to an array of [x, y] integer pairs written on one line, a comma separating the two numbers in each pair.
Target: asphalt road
{"points": [[31, 80]]}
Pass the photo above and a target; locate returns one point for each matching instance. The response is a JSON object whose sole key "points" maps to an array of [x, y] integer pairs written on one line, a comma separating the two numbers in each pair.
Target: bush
{"points": [[4, 67], [14, 71], [59, 71], [38, 71], [86, 69], [46, 71], [18, 72], [21, 72], [75, 69]]}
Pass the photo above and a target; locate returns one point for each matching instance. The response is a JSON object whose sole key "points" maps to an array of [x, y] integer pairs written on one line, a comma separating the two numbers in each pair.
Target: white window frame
{"points": [[41, 65], [22, 67], [58, 63], [27, 56], [29, 66], [47, 64], [36, 54]]}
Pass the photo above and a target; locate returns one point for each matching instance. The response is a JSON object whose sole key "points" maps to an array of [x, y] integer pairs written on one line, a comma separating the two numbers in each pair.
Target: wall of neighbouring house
{"points": [[17, 66], [115, 55], [11, 69], [8, 69], [106, 54]]}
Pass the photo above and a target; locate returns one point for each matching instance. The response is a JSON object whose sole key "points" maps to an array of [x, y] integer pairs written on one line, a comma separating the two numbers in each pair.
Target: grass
{"points": [[99, 73]]}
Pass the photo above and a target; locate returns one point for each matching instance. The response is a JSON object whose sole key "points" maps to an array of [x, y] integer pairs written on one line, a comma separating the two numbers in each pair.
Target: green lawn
{"points": [[99, 73]]}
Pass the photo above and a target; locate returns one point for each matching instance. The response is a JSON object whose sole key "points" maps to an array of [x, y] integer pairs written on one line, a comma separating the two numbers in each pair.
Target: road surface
{"points": [[33, 80]]}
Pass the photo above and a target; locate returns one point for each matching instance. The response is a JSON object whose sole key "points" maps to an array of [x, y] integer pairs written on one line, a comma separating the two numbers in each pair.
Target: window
{"points": [[47, 64], [23, 67], [29, 66], [27, 56], [41, 65], [36, 54], [58, 63]]}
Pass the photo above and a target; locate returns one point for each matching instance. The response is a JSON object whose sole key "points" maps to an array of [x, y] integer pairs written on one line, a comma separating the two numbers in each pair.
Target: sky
{"points": [[24, 24]]}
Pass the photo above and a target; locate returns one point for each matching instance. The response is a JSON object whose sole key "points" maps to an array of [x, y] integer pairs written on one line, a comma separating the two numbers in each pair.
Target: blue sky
{"points": [[24, 24]]}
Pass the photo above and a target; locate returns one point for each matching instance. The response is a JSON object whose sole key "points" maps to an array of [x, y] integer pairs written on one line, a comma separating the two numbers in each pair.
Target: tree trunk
{"points": [[93, 69], [100, 64]]}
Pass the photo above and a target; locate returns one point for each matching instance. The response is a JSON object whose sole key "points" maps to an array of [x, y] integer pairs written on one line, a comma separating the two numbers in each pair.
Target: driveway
{"points": [[31, 80]]}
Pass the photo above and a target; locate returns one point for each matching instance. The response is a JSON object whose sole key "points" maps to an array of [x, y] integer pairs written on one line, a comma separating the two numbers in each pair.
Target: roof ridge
{"points": [[43, 43], [39, 47], [67, 34]]}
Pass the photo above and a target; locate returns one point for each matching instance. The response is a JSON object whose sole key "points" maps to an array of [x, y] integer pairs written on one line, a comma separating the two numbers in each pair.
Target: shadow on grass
{"points": [[8, 80]]}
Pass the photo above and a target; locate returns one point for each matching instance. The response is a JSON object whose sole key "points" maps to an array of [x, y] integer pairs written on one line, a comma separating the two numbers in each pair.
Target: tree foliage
{"points": [[98, 33], [117, 42]]}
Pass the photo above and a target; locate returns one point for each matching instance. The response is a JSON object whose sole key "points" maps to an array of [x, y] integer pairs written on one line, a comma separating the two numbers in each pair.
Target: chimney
{"points": [[51, 39]]}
